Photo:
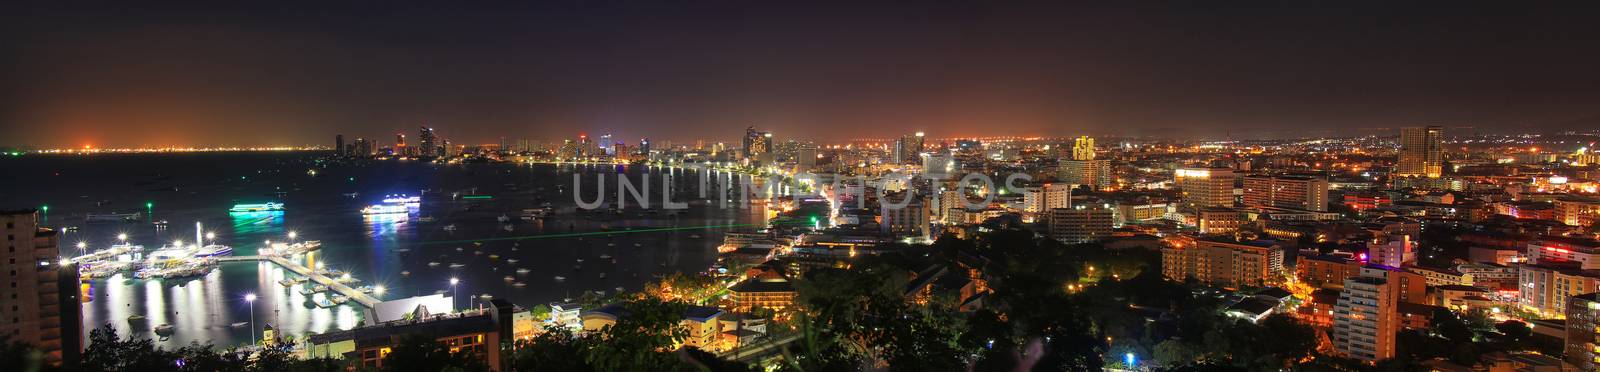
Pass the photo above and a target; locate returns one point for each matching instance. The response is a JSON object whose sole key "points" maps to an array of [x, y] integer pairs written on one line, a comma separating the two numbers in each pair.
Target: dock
{"points": [[333, 285]]}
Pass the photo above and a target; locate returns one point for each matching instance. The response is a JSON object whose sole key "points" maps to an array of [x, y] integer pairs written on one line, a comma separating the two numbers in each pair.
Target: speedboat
{"points": [[510, 278], [433, 264], [457, 265], [238, 324], [560, 278], [165, 330], [523, 271]]}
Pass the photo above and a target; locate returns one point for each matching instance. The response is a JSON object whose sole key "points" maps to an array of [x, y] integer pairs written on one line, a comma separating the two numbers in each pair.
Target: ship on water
{"points": [[256, 207], [112, 217]]}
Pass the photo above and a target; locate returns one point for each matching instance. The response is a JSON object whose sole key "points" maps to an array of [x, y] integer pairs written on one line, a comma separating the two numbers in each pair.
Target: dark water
{"points": [[201, 187]]}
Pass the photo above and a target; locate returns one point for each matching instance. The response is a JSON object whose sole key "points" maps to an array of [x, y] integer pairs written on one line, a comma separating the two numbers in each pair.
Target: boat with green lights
{"points": [[258, 207]]}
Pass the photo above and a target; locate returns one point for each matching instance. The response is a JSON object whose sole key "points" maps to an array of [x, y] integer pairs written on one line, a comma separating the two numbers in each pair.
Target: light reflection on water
{"points": [[394, 251], [204, 309]]}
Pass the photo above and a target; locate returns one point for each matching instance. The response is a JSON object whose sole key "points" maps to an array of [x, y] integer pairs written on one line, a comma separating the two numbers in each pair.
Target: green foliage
{"points": [[108, 352], [419, 352]]}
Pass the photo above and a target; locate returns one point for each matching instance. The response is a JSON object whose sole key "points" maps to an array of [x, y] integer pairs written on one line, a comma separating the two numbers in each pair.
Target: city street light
{"points": [[292, 234], [123, 237], [453, 282], [251, 299], [83, 247], [378, 289], [212, 236]]}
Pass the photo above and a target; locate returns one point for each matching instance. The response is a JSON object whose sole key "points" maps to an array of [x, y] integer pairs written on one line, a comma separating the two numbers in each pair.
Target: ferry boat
{"points": [[111, 217], [213, 250], [165, 330], [257, 207], [384, 209]]}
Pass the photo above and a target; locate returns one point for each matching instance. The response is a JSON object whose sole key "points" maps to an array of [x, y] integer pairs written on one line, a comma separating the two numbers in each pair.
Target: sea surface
{"points": [[403, 253]]}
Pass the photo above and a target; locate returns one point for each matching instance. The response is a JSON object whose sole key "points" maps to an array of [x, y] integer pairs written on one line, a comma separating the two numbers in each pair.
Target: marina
{"points": [[406, 254]]}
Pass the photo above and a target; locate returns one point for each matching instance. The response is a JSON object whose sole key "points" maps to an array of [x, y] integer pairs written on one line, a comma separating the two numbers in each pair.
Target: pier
{"points": [[333, 285]]}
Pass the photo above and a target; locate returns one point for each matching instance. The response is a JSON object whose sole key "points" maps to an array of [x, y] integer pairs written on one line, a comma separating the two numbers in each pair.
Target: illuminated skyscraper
{"points": [[644, 148], [606, 143], [1083, 148], [1295, 192], [908, 148], [757, 146], [42, 306], [1205, 187], [1365, 319], [1081, 168], [1421, 154], [429, 143]]}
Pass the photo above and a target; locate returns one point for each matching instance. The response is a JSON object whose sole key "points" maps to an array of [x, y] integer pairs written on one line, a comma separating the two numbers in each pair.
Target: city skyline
{"points": [[252, 75]]}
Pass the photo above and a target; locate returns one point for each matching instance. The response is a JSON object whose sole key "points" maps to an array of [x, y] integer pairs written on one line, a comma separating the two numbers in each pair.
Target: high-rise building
{"points": [[1396, 252], [42, 305], [606, 144], [338, 145], [906, 149], [1081, 224], [1584, 253], [1223, 261], [805, 158], [1545, 288], [911, 220], [1583, 331], [1096, 173], [429, 143], [361, 147], [1083, 148], [1294, 192], [1047, 197], [1365, 319], [1081, 168], [1421, 152], [644, 148], [754, 143], [1205, 187]]}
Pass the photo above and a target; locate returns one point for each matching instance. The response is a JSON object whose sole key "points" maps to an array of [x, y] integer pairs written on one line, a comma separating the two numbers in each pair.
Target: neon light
{"points": [[478, 197]]}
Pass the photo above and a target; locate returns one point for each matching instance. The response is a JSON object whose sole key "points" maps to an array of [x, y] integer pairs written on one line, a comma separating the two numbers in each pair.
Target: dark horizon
{"points": [[273, 74]]}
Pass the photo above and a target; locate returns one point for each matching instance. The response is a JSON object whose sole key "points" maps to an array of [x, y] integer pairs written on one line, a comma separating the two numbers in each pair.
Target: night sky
{"points": [[288, 73]]}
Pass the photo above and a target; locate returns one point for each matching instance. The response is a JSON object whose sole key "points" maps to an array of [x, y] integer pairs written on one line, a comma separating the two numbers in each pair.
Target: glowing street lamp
{"points": [[211, 235], [378, 289], [83, 247], [453, 282], [250, 298], [123, 237], [292, 235]]}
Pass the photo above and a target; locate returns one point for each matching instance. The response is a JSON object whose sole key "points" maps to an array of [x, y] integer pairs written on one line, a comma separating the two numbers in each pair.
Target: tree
{"points": [[21, 356], [1174, 353], [554, 350], [422, 353]]}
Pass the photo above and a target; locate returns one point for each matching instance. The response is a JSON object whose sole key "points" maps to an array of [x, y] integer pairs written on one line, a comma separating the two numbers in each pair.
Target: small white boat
{"points": [[560, 278], [457, 266], [512, 260], [450, 227], [580, 260], [165, 330], [523, 271], [605, 256], [459, 249], [503, 219], [602, 275], [405, 273], [238, 324], [432, 264], [510, 278], [477, 253], [519, 284]]}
